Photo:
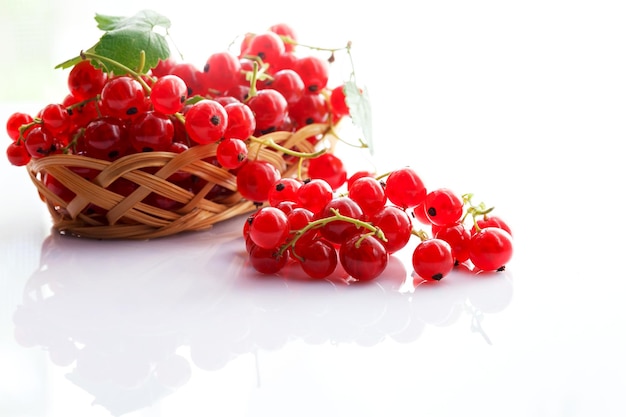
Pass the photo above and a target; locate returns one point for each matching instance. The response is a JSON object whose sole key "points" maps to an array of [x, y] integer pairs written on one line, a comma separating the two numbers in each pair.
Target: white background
{"points": [[521, 103]]}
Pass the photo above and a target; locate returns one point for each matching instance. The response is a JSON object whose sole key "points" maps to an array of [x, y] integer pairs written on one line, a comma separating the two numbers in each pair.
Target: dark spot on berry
{"points": [[261, 55], [437, 277], [313, 88], [182, 99], [132, 110], [189, 92], [147, 149], [241, 157], [268, 130], [215, 120], [206, 67], [70, 112], [249, 219], [113, 154], [502, 268], [306, 181], [432, 211], [280, 186], [309, 121]]}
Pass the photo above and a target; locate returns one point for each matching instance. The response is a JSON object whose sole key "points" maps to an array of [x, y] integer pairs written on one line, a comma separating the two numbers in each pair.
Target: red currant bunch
{"points": [[270, 84], [308, 224]]}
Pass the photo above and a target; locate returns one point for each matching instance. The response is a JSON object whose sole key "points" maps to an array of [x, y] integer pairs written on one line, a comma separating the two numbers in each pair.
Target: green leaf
{"points": [[126, 37], [358, 102]]}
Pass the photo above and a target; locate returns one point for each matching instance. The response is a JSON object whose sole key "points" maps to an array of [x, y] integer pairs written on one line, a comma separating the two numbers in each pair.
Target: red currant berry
{"points": [[405, 188], [491, 221], [222, 71], [443, 207], [285, 189], [313, 71], [458, 237], [267, 261], [241, 121], [122, 97], [55, 119], [285, 31], [363, 257], [330, 168], [151, 131], [270, 110], [432, 259], [369, 195], [105, 138], [288, 83], [85, 81], [15, 122], [314, 195], [396, 225], [255, 179], [169, 94], [206, 121], [491, 249], [268, 46], [17, 154], [338, 102], [232, 153], [340, 231], [318, 259], [269, 227]]}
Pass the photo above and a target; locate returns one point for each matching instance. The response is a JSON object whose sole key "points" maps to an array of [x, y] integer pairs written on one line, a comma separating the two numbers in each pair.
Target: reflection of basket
{"points": [[97, 210]]}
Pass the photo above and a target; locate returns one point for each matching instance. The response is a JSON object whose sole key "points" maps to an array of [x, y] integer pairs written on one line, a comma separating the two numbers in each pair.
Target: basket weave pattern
{"points": [[130, 217]]}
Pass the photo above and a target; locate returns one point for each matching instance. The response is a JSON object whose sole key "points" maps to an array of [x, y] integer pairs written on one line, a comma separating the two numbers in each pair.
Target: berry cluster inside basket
{"points": [[146, 145]]}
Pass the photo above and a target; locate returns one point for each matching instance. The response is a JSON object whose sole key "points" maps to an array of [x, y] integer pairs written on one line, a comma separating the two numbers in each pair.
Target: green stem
{"points": [[374, 231], [270, 143], [135, 74], [421, 234]]}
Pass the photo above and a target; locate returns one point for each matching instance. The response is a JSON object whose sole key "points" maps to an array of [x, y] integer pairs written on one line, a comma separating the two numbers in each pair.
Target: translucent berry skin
{"points": [[232, 153], [122, 97], [314, 195], [241, 122], [206, 121], [491, 249], [369, 195], [267, 261], [363, 257], [396, 225], [405, 188], [269, 227], [255, 179], [288, 83], [267, 45], [222, 71], [458, 237], [15, 121], [168, 94], [285, 189], [151, 131], [313, 71], [340, 231], [443, 207], [338, 102], [39, 142], [318, 259], [17, 154], [432, 259], [270, 110], [283, 29], [85, 81], [491, 221], [330, 168], [105, 138]]}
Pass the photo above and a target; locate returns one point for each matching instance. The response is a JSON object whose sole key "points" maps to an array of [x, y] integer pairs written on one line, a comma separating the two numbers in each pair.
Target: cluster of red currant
{"points": [[233, 100], [309, 223]]}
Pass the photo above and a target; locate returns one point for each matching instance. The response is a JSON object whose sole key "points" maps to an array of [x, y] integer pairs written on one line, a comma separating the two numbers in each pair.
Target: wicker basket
{"points": [[130, 217]]}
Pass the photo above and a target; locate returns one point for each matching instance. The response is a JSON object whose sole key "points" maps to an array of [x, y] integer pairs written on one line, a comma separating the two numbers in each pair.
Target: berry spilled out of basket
{"points": [[145, 145]]}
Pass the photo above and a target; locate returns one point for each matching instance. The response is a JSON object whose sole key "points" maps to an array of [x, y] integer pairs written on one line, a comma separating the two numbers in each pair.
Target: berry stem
{"points": [[421, 234], [373, 231], [303, 155], [135, 74]]}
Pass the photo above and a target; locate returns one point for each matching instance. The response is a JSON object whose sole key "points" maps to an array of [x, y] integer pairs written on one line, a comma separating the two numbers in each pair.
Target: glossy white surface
{"points": [[525, 108]]}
